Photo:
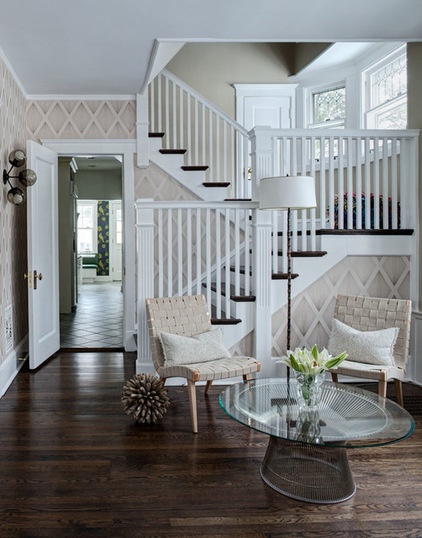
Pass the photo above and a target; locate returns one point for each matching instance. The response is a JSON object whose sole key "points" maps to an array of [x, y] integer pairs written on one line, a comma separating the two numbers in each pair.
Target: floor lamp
{"points": [[287, 193]]}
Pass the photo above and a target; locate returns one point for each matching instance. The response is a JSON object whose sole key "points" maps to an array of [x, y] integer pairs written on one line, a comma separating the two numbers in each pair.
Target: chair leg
{"points": [[399, 391], [207, 386], [382, 388], [192, 405], [334, 377]]}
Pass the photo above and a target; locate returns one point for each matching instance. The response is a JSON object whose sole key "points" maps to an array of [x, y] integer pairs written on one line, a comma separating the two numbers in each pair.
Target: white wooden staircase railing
{"points": [[209, 139]]}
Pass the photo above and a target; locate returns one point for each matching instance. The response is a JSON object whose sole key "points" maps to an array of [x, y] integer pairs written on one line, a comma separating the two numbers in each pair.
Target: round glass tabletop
{"points": [[346, 416]]}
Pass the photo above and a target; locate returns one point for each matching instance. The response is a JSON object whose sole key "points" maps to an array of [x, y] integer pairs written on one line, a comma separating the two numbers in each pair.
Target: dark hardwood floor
{"points": [[72, 464]]}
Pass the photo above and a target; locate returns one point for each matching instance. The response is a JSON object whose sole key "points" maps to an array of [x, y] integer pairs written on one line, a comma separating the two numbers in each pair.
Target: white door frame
{"points": [[127, 149], [114, 258]]}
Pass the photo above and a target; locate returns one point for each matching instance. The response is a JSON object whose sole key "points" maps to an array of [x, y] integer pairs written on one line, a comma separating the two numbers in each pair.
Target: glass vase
{"points": [[309, 389]]}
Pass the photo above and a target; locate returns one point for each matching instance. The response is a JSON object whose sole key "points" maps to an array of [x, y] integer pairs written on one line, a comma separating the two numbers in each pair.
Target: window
{"points": [[328, 111], [329, 107], [119, 229], [386, 93], [87, 226]]}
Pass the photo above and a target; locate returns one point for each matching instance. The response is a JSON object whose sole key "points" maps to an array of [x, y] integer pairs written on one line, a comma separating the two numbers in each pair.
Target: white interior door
{"points": [[265, 105], [270, 105], [43, 256]]}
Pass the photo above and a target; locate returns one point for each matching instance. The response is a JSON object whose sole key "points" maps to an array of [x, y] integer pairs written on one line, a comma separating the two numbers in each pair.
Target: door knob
{"points": [[37, 276]]}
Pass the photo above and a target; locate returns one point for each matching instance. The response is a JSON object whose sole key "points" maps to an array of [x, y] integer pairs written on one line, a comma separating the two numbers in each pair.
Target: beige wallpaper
{"points": [[81, 119], [12, 218], [312, 310], [152, 182]]}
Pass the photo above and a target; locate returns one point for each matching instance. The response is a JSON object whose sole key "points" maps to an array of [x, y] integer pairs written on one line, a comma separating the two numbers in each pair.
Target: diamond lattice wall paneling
{"points": [[312, 309], [12, 218], [81, 119], [153, 183], [245, 347]]}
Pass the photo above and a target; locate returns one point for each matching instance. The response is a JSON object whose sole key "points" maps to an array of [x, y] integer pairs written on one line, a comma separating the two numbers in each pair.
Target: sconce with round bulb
{"points": [[26, 177]]}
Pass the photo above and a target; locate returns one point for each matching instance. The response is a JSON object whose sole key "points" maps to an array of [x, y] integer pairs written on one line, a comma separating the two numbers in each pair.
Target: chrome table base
{"points": [[308, 473]]}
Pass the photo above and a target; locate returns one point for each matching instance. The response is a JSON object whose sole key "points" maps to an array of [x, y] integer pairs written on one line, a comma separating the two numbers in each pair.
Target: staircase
{"points": [[223, 246]]}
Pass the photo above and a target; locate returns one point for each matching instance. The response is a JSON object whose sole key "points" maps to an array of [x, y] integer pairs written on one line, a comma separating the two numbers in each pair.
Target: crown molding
{"points": [[55, 97]]}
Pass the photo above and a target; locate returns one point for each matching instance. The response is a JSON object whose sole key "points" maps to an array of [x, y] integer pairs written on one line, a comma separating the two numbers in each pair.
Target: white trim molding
{"points": [[13, 362], [126, 148]]}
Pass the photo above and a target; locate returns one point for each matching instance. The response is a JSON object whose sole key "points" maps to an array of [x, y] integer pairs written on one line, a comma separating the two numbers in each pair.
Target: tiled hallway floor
{"points": [[98, 319]]}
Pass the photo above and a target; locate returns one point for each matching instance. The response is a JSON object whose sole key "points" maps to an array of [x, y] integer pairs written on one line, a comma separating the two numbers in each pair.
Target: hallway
{"points": [[97, 322]]}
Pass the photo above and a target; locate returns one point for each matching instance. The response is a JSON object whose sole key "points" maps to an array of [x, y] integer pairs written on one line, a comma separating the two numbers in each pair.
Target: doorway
{"points": [[126, 150], [94, 317]]}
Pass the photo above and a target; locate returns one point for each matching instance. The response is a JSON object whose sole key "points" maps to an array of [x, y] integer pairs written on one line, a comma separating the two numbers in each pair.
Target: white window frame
{"points": [[331, 124], [369, 114], [94, 205]]}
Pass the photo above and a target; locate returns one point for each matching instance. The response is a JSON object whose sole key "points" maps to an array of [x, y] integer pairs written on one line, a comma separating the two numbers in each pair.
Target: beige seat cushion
{"points": [[217, 369]]}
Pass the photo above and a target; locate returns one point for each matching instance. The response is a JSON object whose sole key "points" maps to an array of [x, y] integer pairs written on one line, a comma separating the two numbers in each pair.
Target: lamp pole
{"points": [[289, 280]]}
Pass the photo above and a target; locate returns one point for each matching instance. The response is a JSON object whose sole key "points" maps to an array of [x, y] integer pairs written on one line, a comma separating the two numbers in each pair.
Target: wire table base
{"points": [[308, 473]]}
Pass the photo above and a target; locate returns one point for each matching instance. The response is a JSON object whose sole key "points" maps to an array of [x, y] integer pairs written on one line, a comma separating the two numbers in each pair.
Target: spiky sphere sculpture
{"points": [[145, 398]]}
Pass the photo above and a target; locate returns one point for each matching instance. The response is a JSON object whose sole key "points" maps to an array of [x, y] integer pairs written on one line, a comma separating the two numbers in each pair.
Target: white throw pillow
{"points": [[201, 347], [370, 347]]}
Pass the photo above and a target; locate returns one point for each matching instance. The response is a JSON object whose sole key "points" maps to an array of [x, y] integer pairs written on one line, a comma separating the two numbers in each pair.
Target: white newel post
{"points": [[142, 128], [262, 166], [145, 281]]}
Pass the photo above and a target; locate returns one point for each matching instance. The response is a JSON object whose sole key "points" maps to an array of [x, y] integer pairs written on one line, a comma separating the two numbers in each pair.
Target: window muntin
{"points": [[389, 82]]}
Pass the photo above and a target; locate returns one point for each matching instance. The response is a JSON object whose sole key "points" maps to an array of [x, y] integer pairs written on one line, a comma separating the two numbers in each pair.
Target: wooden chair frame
{"points": [[371, 314], [187, 316]]}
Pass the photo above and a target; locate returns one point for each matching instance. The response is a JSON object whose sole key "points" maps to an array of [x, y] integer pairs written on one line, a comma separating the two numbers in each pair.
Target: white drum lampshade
{"points": [[290, 192]]}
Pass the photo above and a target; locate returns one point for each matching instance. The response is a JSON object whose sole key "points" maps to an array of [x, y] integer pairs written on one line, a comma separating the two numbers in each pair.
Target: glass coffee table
{"points": [[306, 457]]}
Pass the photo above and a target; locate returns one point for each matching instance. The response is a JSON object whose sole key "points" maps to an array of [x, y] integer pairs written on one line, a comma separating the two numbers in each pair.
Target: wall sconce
{"points": [[26, 177]]}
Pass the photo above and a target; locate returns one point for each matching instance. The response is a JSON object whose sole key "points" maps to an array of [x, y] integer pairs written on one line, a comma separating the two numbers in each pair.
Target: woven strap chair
{"points": [[187, 316], [371, 314]]}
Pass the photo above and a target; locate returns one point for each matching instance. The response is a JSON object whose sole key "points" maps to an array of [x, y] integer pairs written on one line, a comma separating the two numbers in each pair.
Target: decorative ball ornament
{"points": [[145, 398], [16, 196]]}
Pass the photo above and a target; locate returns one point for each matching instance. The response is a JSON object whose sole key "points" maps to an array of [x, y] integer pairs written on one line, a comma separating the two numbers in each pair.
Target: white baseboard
{"points": [[12, 364]]}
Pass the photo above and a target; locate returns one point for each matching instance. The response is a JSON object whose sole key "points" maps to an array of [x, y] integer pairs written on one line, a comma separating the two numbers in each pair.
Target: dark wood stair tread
{"points": [[306, 253], [331, 231], [242, 298], [216, 183], [195, 168], [282, 276], [223, 320], [156, 135], [172, 151]]}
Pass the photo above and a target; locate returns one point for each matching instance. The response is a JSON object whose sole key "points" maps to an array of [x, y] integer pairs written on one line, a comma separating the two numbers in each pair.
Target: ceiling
{"points": [[113, 47], [98, 163]]}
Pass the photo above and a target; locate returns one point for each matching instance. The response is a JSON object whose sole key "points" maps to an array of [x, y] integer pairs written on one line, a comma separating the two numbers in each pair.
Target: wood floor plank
{"points": [[73, 464]]}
